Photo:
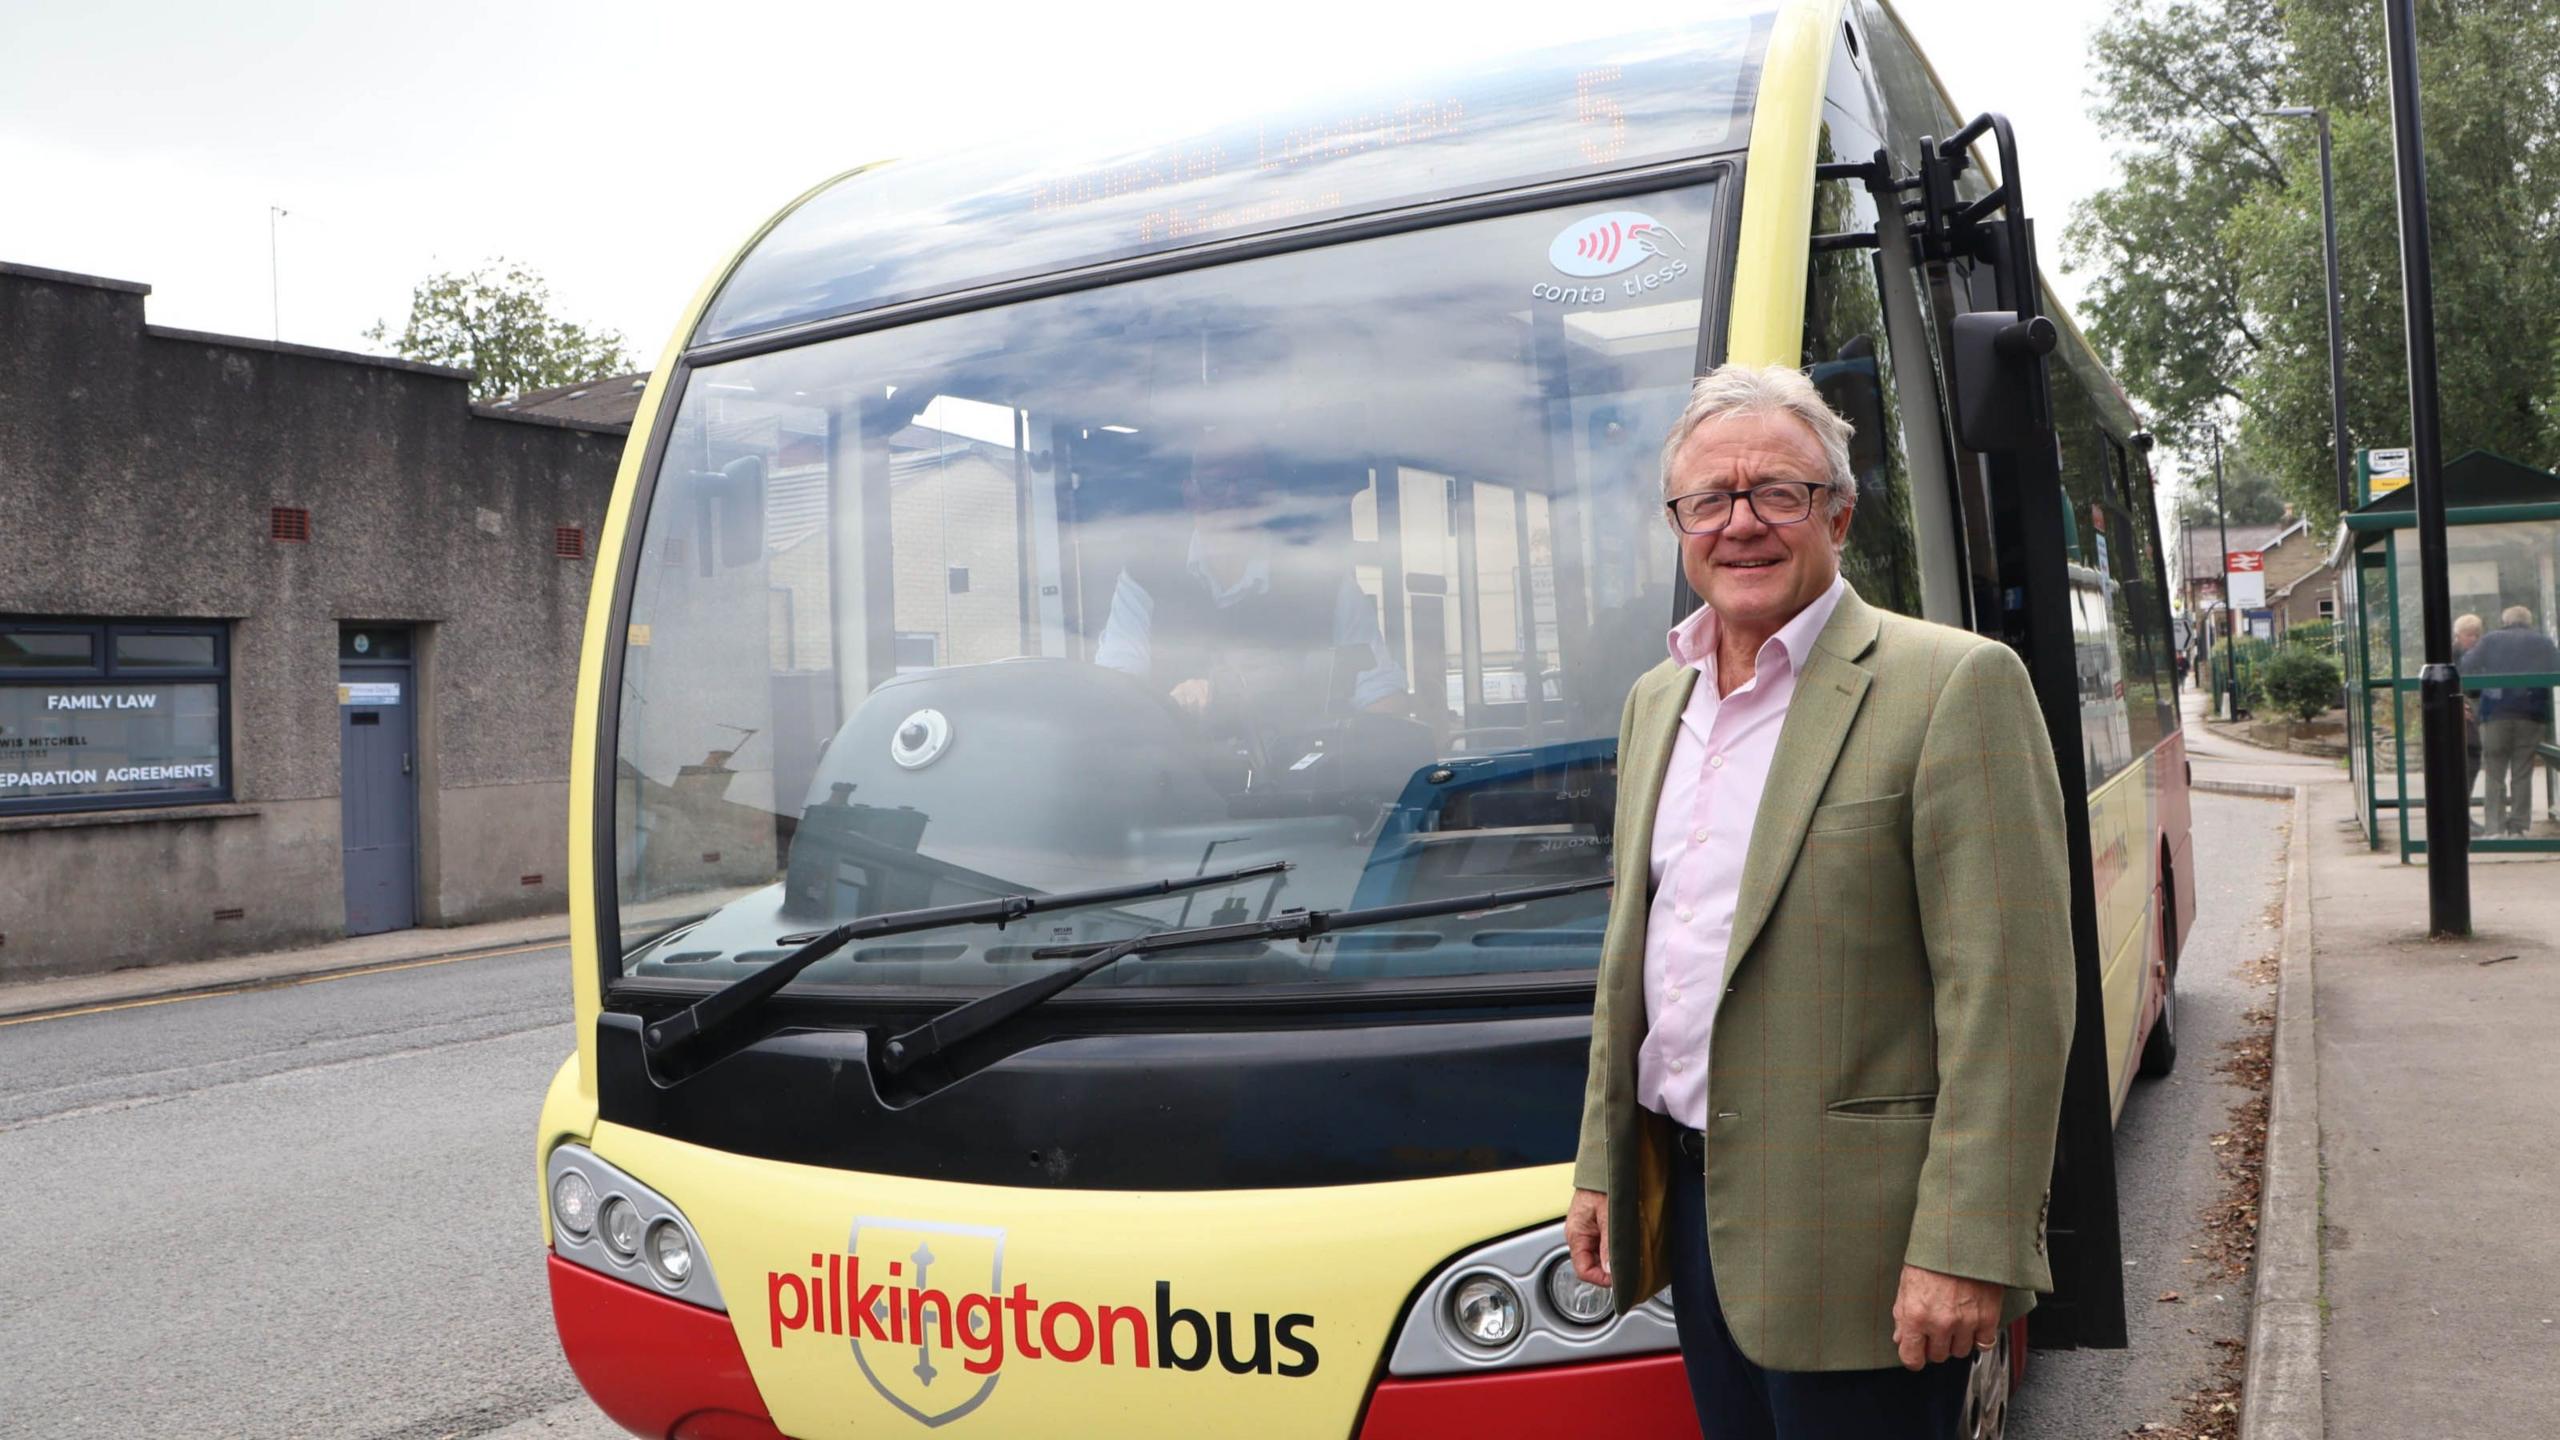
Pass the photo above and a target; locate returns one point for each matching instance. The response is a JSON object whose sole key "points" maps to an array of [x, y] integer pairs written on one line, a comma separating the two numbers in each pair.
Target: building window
{"points": [[917, 650], [102, 714], [2328, 609]]}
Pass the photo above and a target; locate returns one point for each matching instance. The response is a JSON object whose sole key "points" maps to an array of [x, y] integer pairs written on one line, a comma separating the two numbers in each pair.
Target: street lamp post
{"points": [[2439, 686], [2337, 328], [2230, 612]]}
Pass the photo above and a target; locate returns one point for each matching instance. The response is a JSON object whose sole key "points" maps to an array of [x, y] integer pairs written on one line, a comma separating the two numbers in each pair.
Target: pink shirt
{"points": [[1701, 836]]}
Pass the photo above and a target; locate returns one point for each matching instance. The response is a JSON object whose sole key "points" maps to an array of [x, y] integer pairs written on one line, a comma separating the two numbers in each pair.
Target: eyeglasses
{"points": [[1779, 502]]}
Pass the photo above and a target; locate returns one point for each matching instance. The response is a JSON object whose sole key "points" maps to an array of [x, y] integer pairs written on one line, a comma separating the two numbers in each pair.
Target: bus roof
{"points": [[911, 229]]}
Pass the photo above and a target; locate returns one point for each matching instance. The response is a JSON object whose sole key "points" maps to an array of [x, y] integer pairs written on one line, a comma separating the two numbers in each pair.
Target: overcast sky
{"points": [[624, 150]]}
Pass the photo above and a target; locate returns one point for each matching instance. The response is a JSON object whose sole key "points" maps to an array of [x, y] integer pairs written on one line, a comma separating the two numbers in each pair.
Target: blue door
{"points": [[378, 790]]}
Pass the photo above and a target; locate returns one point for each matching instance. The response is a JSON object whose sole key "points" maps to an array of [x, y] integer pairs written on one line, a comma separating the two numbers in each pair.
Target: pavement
{"points": [[2408, 1262], [2437, 1075], [356, 955], [359, 955]]}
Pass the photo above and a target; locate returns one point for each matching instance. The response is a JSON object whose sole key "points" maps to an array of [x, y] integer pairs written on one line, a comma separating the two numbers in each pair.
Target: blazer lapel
{"points": [[1661, 694], [1657, 727], [1829, 688]]}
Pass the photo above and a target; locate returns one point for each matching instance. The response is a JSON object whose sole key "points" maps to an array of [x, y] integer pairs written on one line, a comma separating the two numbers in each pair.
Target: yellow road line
{"points": [[280, 982]]}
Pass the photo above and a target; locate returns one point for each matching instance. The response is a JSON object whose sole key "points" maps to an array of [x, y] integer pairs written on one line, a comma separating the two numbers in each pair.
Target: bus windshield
{"points": [[1345, 557]]}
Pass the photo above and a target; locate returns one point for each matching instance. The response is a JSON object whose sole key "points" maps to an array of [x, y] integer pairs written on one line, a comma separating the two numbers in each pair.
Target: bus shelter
{"points": [[2503, 567]]}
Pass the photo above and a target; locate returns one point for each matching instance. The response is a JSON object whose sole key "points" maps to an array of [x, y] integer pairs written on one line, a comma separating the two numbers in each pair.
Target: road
{"points": [[2165, 1169], [306, 1211], [309, 1211]]}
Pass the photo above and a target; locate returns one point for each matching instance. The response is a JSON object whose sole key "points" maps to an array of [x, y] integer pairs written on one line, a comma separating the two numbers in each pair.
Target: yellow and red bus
{"points": [[1099, 703]]}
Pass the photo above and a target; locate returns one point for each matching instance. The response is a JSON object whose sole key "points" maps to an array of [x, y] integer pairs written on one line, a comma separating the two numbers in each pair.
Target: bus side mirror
{"points": [[1996, 379]]}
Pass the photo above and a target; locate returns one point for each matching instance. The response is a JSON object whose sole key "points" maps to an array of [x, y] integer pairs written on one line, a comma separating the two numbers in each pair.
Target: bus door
{"points": [[1975, 274]]}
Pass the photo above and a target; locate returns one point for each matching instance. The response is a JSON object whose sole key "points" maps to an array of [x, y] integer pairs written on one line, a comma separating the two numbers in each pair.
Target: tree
{"points": [[2249, 493], [496, 322], [2208, 293], [2182, 84]]}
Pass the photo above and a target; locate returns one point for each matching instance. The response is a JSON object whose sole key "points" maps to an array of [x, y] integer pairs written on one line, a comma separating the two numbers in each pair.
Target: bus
{"points": [[1095, 746]]}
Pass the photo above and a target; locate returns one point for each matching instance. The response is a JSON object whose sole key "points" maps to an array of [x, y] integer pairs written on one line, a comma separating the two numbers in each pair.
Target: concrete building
{"points": [[288, 637]]}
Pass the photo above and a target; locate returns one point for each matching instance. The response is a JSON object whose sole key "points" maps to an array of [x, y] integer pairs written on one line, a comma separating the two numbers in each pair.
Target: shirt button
{"points": [[1698, 837], [1678, 1065], [1684, 913], [1715, 762], [1673, 997]]}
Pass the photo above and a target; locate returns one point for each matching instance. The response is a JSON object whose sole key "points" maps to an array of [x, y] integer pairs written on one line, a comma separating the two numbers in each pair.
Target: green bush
{"points": [[2300, 681]]}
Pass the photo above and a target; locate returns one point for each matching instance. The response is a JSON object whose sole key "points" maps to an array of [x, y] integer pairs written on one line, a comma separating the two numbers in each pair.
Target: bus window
{"points": [[2150, 674], [1344, 557], [1851, 361], [2097, 594]]}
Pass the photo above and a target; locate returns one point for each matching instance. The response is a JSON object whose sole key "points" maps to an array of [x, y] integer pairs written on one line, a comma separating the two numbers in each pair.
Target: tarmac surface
{"points": [[2436, 1273], [302, 1211], [2166, 1167]]}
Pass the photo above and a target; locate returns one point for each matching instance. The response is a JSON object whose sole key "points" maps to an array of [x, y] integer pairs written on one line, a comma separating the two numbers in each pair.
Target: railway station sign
{"points": [[2246, 571]]}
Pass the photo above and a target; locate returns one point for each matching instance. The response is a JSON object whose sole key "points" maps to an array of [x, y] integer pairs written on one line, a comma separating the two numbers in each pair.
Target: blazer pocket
{"points": [[1859, 814], [1886, 1107]]}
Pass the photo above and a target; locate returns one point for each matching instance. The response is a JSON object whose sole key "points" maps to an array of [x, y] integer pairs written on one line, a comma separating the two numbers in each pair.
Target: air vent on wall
{"points": [[569, 542], [289, 524]]}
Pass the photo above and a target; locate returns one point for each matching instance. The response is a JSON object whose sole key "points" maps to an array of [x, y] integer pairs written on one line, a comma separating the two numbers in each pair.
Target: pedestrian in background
{"points": [[1836, 989], [2466, 633], [2513, 718]]}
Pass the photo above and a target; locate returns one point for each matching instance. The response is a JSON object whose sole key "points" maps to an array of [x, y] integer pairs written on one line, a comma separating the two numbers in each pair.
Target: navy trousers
{"points": [[1738, 1400]]}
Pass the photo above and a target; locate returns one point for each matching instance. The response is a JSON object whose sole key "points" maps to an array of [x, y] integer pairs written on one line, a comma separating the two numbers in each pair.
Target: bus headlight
{"points": [[1486, 1310], [573, 1204], [1515, 1303], [1575, 1298], [621, 1224], [608, 1220], [670, 1253]]}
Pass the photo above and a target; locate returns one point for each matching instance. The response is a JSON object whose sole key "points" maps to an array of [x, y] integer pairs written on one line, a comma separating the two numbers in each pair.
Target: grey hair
{"points": [[2470, 623], [2515, 615], [1766, 390]]}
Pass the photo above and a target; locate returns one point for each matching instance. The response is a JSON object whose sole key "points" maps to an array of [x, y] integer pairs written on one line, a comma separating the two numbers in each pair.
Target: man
{"points": [[1233, 636], [2466, 633], [1837, 974], [2513, 718]]}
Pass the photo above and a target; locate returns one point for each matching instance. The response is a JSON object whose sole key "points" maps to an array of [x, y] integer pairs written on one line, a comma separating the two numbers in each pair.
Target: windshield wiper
{"points": [[687, 1027], [976, 1017]]}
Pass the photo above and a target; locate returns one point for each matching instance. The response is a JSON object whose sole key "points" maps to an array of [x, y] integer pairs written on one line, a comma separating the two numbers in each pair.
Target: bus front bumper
{"points": [[655, 1366], [1645, 1395], [660, 1367]]}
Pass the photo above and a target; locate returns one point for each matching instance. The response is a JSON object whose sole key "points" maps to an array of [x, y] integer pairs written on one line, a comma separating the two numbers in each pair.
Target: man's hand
{"points": [[1586, 1235], [1935, 1316], [1192, 696]]}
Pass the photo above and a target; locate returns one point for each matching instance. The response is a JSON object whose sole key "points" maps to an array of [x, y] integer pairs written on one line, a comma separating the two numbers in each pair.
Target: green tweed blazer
{"points": [[1885, 1076]]}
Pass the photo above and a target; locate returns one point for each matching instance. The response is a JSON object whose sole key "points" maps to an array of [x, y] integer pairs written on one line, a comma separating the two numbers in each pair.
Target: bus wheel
{"points": [[2160, 1052], [1986, 1393]]}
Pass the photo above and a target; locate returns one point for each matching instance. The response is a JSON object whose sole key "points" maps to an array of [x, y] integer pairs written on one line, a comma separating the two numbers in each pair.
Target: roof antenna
{"points": [[275, 301]]}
